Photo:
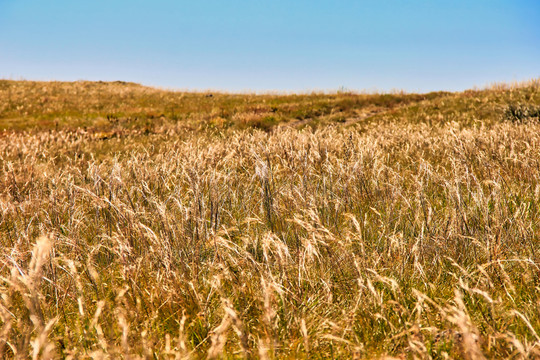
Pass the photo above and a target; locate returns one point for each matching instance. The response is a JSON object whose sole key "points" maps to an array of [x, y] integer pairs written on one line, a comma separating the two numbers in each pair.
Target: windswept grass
{"points": [[412, 232]]}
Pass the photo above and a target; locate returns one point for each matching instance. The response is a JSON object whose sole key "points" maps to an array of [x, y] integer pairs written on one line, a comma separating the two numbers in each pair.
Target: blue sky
{"points": [[257, 45]]}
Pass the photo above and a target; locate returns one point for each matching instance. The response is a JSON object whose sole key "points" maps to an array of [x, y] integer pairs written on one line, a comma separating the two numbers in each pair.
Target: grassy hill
{"points": [[91, 104], [145, 223]]}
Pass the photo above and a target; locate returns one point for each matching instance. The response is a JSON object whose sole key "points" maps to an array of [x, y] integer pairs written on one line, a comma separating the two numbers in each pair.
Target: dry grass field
{"points": [[144, 223]]}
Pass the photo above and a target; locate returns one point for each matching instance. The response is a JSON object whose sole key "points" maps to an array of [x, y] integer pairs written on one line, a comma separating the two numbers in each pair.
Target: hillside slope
{"points": [[27, 104], [142, 223]]}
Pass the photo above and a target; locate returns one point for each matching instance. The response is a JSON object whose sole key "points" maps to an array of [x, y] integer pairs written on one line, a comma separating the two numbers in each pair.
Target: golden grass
{"points": [[413, 233]]}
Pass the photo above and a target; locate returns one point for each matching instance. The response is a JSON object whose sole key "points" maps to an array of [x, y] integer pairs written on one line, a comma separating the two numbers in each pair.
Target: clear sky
{"points": [[258, 45]]}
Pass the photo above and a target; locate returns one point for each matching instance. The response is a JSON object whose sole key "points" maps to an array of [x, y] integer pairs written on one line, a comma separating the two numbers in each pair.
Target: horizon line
{"points": [[499, 85]]}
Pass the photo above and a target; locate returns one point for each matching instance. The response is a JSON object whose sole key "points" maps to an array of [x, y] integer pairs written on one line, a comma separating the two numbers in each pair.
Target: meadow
{"points": [[153, 224]]}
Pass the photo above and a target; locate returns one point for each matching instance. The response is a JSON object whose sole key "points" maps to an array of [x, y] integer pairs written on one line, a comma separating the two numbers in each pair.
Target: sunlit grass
{"points": [[408, 228]]}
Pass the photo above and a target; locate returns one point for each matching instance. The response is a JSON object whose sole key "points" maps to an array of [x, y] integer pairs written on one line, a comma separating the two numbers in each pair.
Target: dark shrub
{"points": [[522, 113]]}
